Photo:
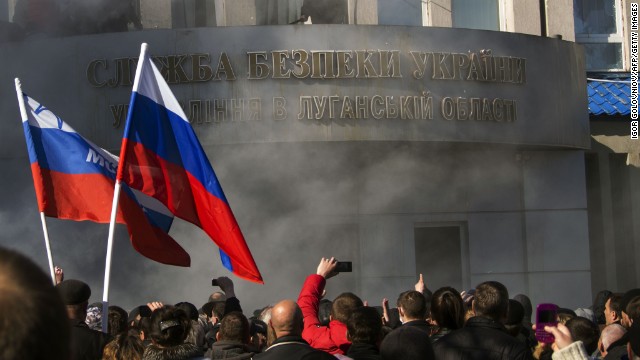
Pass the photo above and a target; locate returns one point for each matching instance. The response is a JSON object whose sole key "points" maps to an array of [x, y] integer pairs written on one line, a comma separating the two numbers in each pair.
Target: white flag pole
{"points": [[116, 195], [107, 269], [24, 115]]}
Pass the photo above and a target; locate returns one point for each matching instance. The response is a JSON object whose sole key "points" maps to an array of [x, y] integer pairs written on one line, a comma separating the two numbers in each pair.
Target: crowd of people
{"points": [[41, 321]]}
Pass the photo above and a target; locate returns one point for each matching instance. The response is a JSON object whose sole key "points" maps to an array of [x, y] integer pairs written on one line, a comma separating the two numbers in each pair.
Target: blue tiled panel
{"points": [[609, 98]]}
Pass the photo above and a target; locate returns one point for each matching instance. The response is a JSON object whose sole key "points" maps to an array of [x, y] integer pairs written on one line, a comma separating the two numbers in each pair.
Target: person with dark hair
{"points": [[123, 347], [258, 332], [324, 311], [364, 330], [412, 307], [633, 347], [169, 328], [626, 298], [612, 311], [406, 343], [447, 312], [232, 338], [85, 342], [285, 336], [598, 307], [633, 309], [513, 322], [332, 338], [117, 318], [528, 309], [34, 323], [586, 331], [484, 335]]}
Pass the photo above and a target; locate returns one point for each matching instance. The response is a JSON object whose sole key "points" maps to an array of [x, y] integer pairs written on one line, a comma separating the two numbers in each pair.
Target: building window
{"points": [[598, 28], [475, 14]]}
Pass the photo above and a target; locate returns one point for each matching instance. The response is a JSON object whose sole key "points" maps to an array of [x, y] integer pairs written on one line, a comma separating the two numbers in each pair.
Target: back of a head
{"points": [[447, 308], [407, 343], [633, 309], [117, 320], [515, 315], [189, 309], [344, 305], [526, 305], [34, 321], [364, 326], [324, 310], [414, 305], [627, 297], [123, 347], [234, 327], [169, 326], [610, 334], [586, 331], [491, 300]]}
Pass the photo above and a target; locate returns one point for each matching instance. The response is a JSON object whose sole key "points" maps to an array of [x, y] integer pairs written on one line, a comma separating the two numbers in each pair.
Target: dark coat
{"points": [[292, 348], [179, 352], [618, 350], [481, 338], [86, 344], [364, 352], [225, 349], [420, 324]]}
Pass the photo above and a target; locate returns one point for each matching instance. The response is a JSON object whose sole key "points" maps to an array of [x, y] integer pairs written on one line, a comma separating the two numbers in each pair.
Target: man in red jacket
{"points": [[332, 338]]}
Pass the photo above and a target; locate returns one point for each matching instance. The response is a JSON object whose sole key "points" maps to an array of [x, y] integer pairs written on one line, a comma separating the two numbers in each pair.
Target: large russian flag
{"points": [[74, 179], [162, 157]]}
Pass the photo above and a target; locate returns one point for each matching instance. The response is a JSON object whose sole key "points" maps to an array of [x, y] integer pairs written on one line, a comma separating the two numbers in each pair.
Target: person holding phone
{"points": [[331, 338]]}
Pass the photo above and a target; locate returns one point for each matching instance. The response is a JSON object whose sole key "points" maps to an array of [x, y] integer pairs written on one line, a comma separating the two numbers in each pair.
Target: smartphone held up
{"points": [[546, 315]]}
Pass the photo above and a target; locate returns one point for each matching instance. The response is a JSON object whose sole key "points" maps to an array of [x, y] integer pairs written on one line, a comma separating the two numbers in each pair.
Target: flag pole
{"points": [[116, 194], [107, 269], [24, 115]]}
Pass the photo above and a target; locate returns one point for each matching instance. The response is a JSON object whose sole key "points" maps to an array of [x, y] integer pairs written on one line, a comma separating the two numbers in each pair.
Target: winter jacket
{"points": [[292, 348], [480, 338], [232, 350], [364, 352], [180, 352], [332, 338]]}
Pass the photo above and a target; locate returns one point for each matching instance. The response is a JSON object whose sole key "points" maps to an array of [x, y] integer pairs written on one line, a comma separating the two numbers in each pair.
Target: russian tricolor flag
{"points": [[162, 157], [74, 179]]}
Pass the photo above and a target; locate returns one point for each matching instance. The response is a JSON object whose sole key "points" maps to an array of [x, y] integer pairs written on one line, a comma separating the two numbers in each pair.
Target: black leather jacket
{"points": [[480, 338]]}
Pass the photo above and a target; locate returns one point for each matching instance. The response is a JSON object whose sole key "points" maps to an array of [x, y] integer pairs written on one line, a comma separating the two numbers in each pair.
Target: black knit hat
{"points": [[73, 292], [515, 313]]}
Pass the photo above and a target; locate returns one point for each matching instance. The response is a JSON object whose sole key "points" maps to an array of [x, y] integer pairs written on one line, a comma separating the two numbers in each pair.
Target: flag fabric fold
{"points": [[162, 158], [74, 179]]}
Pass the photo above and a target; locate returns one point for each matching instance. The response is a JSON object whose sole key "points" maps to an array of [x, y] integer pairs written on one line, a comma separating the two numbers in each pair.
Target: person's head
{"points": [[564, 315], [217, 296], [633, 309], [364, 326], [123, 347], [189, 309], [586, 331], [343, 306], [214, 310], [234, 327], [265, 314], [407, 343], [515, 315], [75, 295], [324, 311], [598, 305], [286, 319], [624, 302], [137, 313], [412, 305], [117, 320], [612, 312], [258, 331], [34, 321], [491, 300], [447, 308], [610, 334], [526, 305], [169, 326], [94, 317]]}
